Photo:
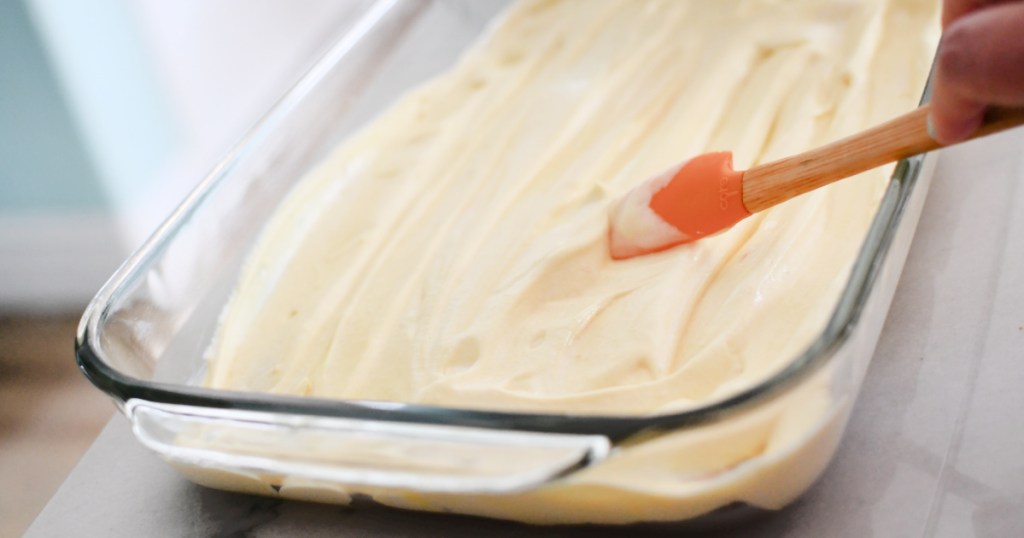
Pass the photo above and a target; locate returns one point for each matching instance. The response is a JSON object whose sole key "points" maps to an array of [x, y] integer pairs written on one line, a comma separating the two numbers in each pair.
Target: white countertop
{"points": [[935, 446]]}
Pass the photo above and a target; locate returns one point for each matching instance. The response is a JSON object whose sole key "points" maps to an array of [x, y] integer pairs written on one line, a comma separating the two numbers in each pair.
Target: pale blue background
{"points": [[43, 161]]}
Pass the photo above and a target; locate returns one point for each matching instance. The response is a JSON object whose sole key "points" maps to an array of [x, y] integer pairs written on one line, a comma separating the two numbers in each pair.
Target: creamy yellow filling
{"points": [[454, 252]]}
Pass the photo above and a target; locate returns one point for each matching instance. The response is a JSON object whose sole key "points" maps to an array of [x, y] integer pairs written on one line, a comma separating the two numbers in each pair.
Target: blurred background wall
{"points": [[110, 112], [58, 239]]}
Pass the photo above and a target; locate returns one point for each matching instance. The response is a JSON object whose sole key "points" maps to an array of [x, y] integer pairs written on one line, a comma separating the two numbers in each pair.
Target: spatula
{"points": [[704, 195]]}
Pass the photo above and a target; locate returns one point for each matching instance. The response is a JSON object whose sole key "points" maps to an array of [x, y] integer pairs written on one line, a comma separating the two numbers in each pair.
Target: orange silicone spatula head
{"points": [[699, 198]]}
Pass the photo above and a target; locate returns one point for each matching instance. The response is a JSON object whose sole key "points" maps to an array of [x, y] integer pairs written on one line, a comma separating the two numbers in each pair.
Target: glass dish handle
{"points": [[416, 457]]}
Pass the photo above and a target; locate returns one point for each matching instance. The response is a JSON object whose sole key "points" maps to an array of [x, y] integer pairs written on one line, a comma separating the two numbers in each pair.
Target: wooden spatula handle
{"points": [[773, 183]]}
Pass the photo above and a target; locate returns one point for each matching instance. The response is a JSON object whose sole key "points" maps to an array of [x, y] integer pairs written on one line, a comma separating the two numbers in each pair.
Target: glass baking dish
{"points": [[143, 337]]}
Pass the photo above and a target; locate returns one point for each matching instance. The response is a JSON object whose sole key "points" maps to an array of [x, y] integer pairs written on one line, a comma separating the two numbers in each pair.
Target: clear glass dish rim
{"points": [[123, 387]]}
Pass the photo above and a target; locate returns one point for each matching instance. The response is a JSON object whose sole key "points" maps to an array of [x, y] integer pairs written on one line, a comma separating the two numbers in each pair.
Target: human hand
{"points": [[980, 63]]}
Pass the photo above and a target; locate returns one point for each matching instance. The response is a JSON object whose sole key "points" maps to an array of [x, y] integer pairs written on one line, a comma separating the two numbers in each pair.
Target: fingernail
{"points": [[931, 128]]}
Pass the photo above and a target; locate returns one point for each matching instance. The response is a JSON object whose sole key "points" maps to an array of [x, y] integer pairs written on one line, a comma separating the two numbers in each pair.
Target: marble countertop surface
{"points": [[935, 446]]}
